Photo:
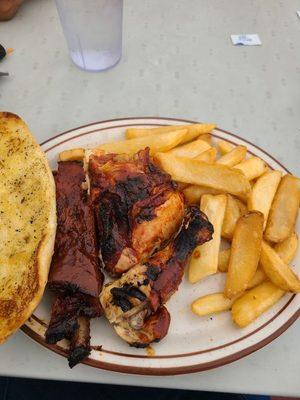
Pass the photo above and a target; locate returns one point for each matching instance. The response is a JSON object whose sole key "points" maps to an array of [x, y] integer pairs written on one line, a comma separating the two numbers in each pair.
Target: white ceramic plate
{"points": [[193, 343]]}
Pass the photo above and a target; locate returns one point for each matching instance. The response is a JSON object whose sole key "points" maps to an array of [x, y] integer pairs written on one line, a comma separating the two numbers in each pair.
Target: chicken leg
{"points": [[134, 303]]}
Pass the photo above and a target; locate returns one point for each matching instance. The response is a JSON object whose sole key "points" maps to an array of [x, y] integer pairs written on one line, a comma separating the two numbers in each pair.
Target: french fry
{"points": [[252, 167], [284, 210], [206, 137], [217, 302], [223, 260], [263, 193], [193, 193], [160, 142], [288, 248], [234, 157], [224, 147], [211, 304], [277, 270], [234, 210], [286, 251], [219, 177], [71, 155], [254, 302], [208, 156], [257, 279], [245, 253], [193, 131], [204, 260], [242, 207], [191, 149]]}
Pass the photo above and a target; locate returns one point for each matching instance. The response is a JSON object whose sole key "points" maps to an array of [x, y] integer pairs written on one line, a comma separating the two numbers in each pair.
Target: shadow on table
{"points": [[31, 389]]}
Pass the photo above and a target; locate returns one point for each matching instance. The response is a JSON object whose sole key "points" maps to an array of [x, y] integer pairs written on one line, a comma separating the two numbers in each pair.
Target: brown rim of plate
{"points": [[170, 370], [194, 353]]}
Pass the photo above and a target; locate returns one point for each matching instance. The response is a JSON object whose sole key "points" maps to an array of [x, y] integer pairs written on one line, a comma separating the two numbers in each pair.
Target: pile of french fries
{"points": [[253, 210]]}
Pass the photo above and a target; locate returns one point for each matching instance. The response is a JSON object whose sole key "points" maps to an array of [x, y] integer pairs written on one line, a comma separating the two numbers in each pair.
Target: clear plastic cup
{"points": [[93, 30]]}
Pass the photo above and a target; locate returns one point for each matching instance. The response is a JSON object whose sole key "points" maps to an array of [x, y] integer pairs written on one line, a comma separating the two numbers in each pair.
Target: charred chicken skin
{"points": [[75, 276], [138, 208], [134, 303]]}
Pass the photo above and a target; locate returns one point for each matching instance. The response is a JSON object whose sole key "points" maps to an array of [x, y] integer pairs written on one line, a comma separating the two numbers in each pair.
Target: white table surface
{"points": [[179, 62]]}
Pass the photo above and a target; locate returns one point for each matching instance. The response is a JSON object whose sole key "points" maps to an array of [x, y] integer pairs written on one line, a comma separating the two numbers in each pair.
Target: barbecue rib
{"points": [[133, 303], [75, 276], [75, 265], [137, 205]]}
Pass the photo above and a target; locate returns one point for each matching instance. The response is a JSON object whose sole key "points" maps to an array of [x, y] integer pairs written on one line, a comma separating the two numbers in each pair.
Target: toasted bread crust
{"points": [[27, 223]]}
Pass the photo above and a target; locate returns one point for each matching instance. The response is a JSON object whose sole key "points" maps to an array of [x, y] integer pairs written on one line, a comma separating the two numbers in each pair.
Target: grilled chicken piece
{"points": [[138, 208], [133, 303], [154, 328]]}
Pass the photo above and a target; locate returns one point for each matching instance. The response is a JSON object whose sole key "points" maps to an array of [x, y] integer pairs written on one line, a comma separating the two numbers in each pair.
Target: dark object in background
{"points": [[9, 8], [2, 52], [31, 389]]}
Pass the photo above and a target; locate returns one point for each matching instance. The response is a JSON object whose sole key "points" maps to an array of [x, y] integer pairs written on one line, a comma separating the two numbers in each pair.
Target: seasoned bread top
{"points": [[27, 223]]}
